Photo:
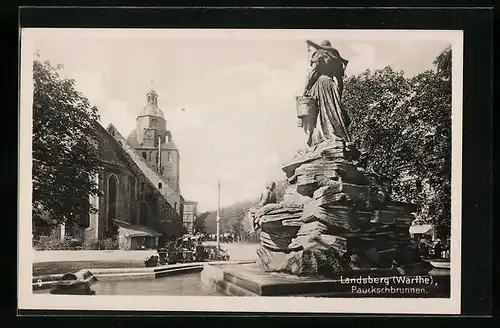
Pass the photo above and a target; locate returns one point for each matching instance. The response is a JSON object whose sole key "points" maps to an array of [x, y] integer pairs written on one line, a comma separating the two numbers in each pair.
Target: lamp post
{"points": [[218, 215]]}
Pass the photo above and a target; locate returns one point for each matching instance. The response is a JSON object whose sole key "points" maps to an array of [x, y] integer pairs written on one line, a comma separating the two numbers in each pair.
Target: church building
{"points": [[141, 199]]}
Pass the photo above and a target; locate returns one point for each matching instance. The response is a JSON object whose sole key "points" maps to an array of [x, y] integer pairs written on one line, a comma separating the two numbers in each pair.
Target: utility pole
{"points": [[218, 215]]}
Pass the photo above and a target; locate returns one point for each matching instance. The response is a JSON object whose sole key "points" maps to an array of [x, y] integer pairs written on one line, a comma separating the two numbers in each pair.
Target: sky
{"points": [[229, 99]]}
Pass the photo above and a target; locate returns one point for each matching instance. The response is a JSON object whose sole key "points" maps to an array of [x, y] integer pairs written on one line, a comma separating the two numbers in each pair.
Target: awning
{"points": [[421, 229], [136, 230]]}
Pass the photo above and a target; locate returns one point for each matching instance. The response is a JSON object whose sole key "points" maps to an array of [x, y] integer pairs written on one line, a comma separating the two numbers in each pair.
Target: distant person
{"points": [[438, 247], [423, 248]]}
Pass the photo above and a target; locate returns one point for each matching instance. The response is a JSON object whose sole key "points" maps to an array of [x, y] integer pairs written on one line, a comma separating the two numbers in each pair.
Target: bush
{"points": [[51, 241], [104, 244], [109, 243]]}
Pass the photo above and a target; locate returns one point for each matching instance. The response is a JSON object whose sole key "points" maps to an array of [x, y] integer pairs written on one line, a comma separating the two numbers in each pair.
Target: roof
{"points": [[151, 109], [132, 141], [132, 154], [135, 230], [421, 229]]}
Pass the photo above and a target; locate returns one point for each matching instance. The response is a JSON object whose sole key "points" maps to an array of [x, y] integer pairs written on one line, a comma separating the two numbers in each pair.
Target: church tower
{"points": [[154, 142], [151, 123]]}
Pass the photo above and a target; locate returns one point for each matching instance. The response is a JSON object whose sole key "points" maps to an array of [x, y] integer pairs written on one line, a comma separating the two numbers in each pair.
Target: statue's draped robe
{"points": [[325, 85]]}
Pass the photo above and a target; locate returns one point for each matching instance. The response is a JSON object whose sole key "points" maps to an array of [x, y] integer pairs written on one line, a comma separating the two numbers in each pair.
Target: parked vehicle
{"points": [[189, 249], [216, 254]]}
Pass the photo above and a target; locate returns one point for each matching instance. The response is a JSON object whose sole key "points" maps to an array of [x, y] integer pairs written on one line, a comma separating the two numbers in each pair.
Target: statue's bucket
{"points": [[305, 106]]}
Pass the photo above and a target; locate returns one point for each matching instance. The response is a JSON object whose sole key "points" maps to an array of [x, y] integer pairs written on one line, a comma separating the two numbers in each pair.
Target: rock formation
{"points": [[336, 219]]}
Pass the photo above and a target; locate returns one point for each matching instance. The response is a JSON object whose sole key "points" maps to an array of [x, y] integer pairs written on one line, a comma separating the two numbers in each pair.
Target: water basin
{"points": [[189, 284]]}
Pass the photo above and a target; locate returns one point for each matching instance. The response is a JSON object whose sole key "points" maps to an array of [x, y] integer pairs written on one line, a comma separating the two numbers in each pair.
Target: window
{"points": [[157, 158], [169, 154], [144, 155], [132, 188], [112, 198], [143, 218], [159, 185], [154, 205]]}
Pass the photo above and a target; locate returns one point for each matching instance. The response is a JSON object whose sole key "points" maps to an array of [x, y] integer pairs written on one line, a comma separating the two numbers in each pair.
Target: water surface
{"points": [[189, 284]]}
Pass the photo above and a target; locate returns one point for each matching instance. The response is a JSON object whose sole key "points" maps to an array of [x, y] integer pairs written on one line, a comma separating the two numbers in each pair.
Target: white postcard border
{"points": [[28, 300]]}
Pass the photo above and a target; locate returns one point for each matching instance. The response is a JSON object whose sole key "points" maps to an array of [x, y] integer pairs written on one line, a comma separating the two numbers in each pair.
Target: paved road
{"points": [[237, 252]]}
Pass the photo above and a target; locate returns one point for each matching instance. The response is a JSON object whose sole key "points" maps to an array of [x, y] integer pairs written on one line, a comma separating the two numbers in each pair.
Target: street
{"points": [[236, 252]]}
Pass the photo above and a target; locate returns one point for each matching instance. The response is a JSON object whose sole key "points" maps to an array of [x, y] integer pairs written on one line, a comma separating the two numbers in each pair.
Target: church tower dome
{"points": [[151, 123]]}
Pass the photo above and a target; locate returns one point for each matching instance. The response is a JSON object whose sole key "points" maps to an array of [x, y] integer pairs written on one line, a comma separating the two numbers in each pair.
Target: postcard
{"points": [[241, 170]]}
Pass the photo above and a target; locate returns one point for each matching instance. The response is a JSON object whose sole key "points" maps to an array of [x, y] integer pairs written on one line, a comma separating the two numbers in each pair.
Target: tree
{"points": [[432, 161], [199, 222], [65, 148], [404, 125], [233, 216]]}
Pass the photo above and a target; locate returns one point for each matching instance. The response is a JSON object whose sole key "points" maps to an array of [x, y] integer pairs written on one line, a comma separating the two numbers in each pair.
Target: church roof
{"points": [[132, 141], [167, 191]]}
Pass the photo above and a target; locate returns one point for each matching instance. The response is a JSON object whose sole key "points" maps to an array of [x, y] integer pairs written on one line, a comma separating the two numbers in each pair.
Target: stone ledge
{"points": [[251, 280], [123, 274]]}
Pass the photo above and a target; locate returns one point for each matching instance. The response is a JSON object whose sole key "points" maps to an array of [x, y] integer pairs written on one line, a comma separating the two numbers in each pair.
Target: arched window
{"points": [[144, 155], [170, 157], [160, 185], [132, 188], [112, 198], [143, 214]]}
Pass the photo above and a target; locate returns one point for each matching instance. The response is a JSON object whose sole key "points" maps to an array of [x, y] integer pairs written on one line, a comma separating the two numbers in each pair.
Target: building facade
{"points": [[139, 178], [140, 200], [189, 217]]}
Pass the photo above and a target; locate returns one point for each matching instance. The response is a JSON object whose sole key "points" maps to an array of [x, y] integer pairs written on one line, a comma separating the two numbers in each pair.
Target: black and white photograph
{"points": [[197, 169]]}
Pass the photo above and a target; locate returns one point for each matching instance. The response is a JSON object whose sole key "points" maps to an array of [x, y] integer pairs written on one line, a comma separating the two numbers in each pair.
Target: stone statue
{"points": [[325, 85], [337, 217], [268, 196]]}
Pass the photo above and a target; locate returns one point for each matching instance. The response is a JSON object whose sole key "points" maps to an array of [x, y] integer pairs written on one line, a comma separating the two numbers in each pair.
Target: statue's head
{"points": [[326, 45], [271, 185]]}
